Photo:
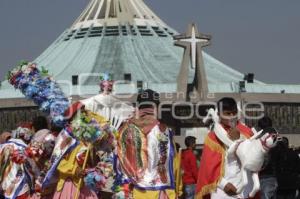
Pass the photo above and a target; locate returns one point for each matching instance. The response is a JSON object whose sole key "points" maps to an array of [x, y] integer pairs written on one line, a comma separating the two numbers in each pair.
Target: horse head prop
{"points": [[250, 152]]}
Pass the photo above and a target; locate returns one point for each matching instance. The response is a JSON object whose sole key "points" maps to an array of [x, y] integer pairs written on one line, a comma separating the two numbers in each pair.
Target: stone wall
{"points": [[285, 117], [11, 117]]}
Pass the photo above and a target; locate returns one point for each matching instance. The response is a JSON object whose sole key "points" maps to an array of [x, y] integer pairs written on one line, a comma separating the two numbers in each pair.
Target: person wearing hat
{"points": [[69, 164], [189, 166]]}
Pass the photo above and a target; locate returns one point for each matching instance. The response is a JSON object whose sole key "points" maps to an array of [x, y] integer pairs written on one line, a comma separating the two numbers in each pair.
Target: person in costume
{"points": [[42, 146], [68, 156], [178, 171], [108, 106], [114, 111], [146, 151], [219, 175], [40, 150], [74, 157], [190, 169], [70, 173], [16, 173], [106, 83]]}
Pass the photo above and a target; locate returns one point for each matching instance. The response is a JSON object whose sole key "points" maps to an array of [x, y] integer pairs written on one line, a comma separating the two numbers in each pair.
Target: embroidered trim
{"points": [[211, 187]]}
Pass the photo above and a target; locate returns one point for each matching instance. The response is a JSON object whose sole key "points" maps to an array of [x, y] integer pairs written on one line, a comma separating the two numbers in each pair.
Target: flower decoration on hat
{"points": [[106, 83], [23, 133], [90, 127], [38, 86]]}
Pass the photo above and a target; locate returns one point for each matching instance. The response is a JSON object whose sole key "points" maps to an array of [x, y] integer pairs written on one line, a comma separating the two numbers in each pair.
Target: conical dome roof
{"points": [[125, 38], [116, 12], [122, 37]]}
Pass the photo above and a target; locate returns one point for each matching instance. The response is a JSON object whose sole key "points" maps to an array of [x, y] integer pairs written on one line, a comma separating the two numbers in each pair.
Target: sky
{"points": [[251, 36]]}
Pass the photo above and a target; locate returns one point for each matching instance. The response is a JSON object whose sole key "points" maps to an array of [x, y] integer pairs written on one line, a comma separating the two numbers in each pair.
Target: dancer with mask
{"points": [[146, 151]]}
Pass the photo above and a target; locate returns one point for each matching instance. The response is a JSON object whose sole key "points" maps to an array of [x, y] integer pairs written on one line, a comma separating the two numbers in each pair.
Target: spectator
{"points": [[267, 176], [287, 170], [189, 166]]}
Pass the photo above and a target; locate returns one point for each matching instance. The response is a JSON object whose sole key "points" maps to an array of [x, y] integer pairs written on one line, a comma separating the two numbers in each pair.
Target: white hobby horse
{"points": [[250, 152]]}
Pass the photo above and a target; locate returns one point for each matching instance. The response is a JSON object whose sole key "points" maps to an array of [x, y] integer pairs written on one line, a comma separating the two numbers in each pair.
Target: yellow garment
{"points": [[178, 174], [68, 165], [100, 119], [67, 168], [139, 194]]}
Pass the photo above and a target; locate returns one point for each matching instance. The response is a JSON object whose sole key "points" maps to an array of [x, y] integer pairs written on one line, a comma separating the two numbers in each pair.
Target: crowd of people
{"points": [[40, 160]]}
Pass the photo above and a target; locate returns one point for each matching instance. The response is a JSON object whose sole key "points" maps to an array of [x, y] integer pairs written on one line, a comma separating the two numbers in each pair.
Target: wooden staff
{"points": [[83, 168]]}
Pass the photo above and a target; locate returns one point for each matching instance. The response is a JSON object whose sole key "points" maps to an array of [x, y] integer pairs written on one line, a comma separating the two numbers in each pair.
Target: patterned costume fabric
{"points": [[69, 155], [64, 144], [68, 181], [146, 152], [15, 171]]}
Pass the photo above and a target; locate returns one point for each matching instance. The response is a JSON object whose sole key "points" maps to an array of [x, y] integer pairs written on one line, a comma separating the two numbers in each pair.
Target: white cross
{"points": [[194, 40]]}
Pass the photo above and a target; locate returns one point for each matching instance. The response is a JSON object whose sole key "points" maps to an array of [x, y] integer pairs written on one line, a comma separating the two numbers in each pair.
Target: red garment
{"points": [[212, 163], [73, 109], [24, 196], [189, 166]]}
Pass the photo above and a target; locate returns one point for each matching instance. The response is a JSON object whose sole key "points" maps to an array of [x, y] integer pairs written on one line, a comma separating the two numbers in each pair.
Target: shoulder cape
{"points": [[211, 168]]}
